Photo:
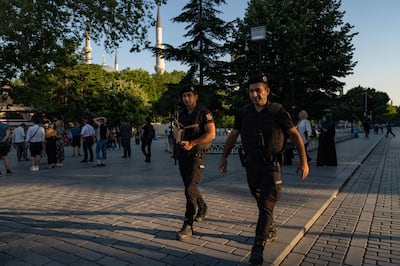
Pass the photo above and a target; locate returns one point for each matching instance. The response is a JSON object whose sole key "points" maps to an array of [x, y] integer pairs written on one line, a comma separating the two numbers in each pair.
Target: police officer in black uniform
{"points": [[262, 125], [198, 133]]}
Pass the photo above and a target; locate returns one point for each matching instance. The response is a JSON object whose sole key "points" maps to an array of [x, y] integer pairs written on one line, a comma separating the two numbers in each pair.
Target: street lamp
{"points": [[258, 35], [366, 104]]}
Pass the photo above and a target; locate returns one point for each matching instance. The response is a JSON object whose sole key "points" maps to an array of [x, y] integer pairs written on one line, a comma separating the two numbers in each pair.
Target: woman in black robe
{"points": [[326, 145]]}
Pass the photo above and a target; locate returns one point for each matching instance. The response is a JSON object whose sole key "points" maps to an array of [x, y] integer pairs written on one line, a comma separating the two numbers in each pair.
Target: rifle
{"points": [[177, 133]]}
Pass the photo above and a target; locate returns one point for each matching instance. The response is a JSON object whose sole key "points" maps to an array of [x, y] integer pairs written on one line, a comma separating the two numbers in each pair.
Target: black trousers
{"points": [[191, 168], [126, 145], [264, 180], [21, 151], [87, 147], [146, 147]]}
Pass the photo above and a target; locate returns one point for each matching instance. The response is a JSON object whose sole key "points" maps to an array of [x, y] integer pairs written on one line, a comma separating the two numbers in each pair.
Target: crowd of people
{"points": [[44, 142]]}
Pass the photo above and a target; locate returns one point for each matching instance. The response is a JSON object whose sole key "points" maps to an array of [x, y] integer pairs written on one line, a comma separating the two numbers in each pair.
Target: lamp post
{"points": [[351, 102], [366, 104], [258, 35]]}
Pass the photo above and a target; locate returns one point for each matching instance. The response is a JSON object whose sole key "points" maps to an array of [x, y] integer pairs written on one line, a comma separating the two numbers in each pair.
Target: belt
{"points": [[261, 159]]}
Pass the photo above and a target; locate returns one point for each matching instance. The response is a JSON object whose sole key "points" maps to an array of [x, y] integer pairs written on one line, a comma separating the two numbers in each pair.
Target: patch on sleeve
{"points": [[209, 117]]}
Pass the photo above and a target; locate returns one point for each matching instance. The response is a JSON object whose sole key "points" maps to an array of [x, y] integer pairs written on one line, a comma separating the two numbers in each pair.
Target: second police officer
{"points": [[197, 130], [262, 125]]}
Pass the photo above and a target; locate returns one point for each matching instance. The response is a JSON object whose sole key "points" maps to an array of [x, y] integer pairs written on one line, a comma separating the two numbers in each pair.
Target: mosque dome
{"points": [[107, 68]]}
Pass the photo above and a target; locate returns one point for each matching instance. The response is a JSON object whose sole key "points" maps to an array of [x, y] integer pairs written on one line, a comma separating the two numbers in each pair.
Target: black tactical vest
{"points": [[194, 125], [261, 134]]}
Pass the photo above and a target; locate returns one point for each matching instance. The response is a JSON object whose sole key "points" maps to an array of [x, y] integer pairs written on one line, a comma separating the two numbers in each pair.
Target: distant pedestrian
{"points": [[87, 135], [60, 130], [125, 130], [5, 145], [305, 130], [76, 140], [19, 142], [389, 130], [51, 145], [101, 143], [148, 134], [367, 128], [326, 143], [35, 137]]}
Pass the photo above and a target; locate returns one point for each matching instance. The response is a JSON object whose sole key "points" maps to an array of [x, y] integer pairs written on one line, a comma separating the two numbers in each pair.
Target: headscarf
{"points": [[328, 123]]}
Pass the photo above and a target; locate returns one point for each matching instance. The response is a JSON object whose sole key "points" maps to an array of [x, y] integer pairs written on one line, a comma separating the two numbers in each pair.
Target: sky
{"points": [[376, 45]]}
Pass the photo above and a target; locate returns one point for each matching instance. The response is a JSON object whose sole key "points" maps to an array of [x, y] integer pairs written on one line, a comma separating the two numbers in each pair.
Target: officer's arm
{"points": [[230, 142], [208, 136], [298, 142]]}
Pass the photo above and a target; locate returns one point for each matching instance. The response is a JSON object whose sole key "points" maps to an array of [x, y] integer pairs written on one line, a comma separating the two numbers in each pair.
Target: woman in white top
{"points": [[305, 130]]}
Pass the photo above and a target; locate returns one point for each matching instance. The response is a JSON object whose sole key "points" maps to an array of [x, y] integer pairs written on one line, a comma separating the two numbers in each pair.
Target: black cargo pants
{"points": [[191, 168], [264, 180]]}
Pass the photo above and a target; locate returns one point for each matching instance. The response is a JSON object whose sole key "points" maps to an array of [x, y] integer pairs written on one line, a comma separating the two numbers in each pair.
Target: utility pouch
{"points": [[242, 156], [280, 157], [277, 180], [277, 176]]}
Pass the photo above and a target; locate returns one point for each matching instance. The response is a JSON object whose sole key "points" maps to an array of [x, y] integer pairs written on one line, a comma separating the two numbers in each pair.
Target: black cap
{"points": [[189, 88], [258, 78]]}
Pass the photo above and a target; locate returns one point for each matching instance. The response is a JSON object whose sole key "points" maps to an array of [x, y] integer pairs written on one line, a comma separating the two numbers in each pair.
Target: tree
{"points": [[306, 50], [361, 103], [391, 114], [38, 35], [86, 91], [206, 50]]}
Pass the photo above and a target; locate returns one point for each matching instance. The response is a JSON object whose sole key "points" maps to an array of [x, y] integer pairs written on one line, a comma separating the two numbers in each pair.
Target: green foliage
{"points": [[38, 35], [352, 105], [225, 122], [87, 90], [306, 50], [392, 112], [205, 51]]}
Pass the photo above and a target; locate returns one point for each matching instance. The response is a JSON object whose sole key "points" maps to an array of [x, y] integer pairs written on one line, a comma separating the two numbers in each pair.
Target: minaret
{"points": [[88, 48], [116, 61], [160, 65]]}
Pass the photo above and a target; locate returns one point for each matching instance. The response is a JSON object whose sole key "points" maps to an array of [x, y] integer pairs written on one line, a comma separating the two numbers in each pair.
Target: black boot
{"points": [[201, 213], [186, 232], [256, 257]]}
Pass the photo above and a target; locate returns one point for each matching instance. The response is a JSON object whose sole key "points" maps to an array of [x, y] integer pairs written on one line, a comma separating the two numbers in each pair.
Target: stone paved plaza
{"points": [[128, 212]]}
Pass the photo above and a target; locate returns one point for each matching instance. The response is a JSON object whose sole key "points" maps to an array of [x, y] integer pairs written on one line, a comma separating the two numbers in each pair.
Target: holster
{"points": [[242, 156]]}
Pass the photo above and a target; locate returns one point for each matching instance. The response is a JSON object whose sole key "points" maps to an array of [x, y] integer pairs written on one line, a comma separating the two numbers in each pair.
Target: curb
{"points": [[296, 235]]}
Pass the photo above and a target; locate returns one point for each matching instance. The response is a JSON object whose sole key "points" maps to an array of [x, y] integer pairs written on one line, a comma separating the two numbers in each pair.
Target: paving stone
{"points": [[363, 214], [129, 212]]}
